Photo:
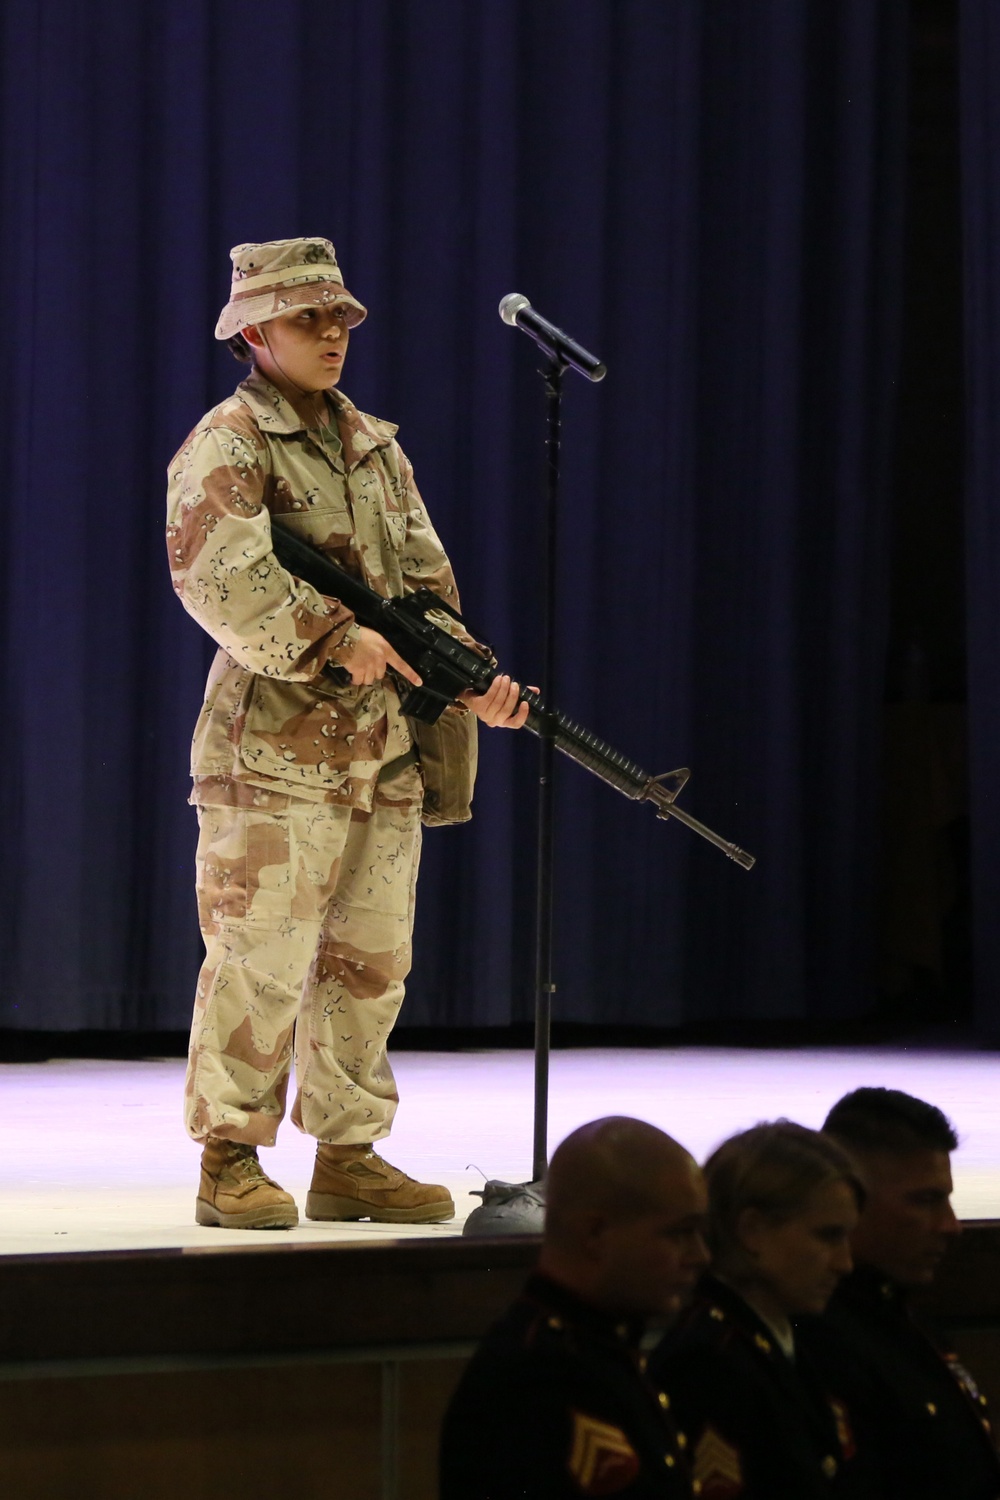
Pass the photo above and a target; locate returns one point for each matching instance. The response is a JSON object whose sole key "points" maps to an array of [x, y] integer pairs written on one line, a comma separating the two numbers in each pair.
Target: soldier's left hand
{"points": [[498, 706]]}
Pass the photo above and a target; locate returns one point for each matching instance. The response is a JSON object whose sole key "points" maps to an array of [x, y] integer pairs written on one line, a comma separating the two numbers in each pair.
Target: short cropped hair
{"points": [[614, 1166], [873, 1120], [774, 1168]]}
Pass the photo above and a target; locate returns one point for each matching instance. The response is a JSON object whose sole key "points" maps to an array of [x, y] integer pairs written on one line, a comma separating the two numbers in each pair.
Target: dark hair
{"points": [[775, 1168], [870, 1120], [240, 348]]}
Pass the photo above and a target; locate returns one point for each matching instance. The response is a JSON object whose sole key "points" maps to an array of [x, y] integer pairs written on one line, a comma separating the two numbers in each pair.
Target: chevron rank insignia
{"points": [[717, 1467], [602, 1461]]}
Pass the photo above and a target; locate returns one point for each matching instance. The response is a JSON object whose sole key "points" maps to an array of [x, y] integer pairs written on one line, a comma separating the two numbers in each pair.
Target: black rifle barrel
{"points": [[624, 775]]}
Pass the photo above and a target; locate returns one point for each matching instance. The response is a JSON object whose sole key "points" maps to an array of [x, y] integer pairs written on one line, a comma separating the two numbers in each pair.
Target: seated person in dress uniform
{"points": [[783, 1202], [556, 1402], [915, 1405]]}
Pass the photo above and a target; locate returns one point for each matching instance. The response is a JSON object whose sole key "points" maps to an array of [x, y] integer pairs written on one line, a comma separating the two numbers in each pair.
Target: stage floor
{"points": [[95, 1156]]}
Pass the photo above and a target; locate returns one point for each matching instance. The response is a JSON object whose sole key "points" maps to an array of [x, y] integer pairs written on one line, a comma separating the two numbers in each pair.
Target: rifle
{"points": [[447, 668]]}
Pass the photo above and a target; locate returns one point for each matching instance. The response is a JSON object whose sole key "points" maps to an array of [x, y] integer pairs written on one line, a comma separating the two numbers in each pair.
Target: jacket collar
{"points": [[623, 1329], [868, 1287], [723, 1303], [273, 413]]}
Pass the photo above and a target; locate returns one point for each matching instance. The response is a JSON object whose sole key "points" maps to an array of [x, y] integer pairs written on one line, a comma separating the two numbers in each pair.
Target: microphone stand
{"points": [[552, 374], [518, 1208]]}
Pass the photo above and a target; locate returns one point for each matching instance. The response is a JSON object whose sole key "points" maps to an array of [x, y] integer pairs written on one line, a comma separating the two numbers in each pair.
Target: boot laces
{"points": [[246, 1165], [377, 1165]]}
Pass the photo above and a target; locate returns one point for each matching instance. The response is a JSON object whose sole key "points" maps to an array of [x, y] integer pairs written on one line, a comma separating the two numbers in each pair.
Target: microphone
{"points": [[519, 313]]}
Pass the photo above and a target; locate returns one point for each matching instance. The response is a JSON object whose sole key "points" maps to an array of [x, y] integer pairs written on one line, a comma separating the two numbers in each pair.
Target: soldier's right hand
{"points": [[368, 658]]}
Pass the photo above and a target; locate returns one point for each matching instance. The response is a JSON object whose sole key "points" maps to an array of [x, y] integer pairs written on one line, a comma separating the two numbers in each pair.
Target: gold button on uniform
{"points": [[669, 1460], [829, 1466], [555, 1323], [932, 1408], [663, 1399], [682, 1441], [696, 1486], [643, 1362]]}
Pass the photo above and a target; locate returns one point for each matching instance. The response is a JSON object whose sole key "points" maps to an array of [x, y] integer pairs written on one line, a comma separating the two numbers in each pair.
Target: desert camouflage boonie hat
{"points": [[279, 275]]}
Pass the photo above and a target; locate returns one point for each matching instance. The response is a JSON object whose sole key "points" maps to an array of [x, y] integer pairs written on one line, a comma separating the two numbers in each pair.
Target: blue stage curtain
{"points": [[709, 195], [980, 125]]}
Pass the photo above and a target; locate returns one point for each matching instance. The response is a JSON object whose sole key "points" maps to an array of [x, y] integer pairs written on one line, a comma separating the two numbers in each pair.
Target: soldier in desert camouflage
{"points": [[308, 793]]}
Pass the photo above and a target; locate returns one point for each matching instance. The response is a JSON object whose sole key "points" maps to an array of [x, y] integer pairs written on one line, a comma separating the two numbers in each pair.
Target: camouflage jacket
{"points": [[271, 719]]}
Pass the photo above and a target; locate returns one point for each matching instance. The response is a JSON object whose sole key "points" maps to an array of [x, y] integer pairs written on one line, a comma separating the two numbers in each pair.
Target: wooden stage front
{"points": [[310, 1370], [299, 1369]]}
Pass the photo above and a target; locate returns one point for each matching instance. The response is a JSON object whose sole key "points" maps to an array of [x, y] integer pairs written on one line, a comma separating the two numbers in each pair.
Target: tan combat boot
{"points": [[236, 1192], [351, 1182]]}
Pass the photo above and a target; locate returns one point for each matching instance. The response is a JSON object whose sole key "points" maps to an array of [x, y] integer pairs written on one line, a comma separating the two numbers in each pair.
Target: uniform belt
{"points": [[392, 768]]}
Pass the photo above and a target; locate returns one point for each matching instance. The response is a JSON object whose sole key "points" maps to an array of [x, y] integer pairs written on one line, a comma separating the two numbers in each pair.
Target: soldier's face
{"points": [[649, 1264], [307, 346], [798, 1262], [908, 1221]]}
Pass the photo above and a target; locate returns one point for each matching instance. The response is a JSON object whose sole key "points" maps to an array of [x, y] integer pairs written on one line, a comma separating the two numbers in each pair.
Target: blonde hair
{"points": [[774, 1168]]}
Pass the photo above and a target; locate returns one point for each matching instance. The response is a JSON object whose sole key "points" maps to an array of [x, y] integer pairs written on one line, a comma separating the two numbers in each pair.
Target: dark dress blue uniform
{"points": [[556, 1403], [917, 1409], [761, 1426]]}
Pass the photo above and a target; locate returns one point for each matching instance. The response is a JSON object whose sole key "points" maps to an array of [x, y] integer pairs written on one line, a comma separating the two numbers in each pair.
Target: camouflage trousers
{"points": [[307, 916]]}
